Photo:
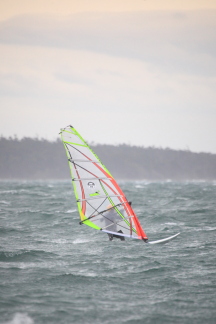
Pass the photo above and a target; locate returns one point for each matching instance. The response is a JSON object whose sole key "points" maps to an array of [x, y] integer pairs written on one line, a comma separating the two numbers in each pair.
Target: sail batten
{"points": [[93, 178], [101, 202], [99, 197], [80, 160]]}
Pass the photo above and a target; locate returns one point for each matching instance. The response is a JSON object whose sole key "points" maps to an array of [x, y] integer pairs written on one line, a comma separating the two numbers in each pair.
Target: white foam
{"points": [[208, 228], [85, 273], [8, 191], [4, 202], [59, 241], [21, 318], [70, 211], [78, 241]]}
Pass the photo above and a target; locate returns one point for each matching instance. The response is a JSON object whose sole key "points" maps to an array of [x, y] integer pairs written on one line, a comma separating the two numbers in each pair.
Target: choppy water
{"points": [[55, 271]]}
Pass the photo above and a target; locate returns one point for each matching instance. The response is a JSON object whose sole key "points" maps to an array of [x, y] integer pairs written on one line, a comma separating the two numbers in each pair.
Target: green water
{"points": [[55, 271]]}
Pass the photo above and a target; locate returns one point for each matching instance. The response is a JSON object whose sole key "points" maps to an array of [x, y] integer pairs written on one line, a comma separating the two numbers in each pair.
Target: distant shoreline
{"points": [[38, 159]]}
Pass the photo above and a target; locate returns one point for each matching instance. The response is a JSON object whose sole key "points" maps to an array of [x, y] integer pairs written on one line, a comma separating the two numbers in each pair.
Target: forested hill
{"points": [[40, 159]]}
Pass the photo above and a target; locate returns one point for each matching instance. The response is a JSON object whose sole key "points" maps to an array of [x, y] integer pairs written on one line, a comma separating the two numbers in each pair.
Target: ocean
{"points": [[52, 270]]}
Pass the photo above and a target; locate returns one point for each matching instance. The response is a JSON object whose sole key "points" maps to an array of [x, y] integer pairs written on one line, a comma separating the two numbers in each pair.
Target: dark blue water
{"points": [[52, 270]]}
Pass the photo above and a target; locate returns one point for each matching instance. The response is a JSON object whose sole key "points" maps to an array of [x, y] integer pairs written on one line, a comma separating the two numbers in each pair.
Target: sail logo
{"points": [[91, 184]]}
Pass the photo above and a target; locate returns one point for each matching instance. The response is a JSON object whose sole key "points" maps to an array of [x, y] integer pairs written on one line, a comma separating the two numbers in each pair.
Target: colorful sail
{"points": [[101, 202]]}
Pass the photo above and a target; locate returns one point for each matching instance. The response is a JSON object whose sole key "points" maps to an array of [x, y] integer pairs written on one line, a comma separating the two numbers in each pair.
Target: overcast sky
{"points": [[120, 71]]}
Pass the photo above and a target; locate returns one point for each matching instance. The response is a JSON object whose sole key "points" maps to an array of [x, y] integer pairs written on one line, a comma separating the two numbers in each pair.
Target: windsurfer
{"points": [[95, 188], [111, 220]]}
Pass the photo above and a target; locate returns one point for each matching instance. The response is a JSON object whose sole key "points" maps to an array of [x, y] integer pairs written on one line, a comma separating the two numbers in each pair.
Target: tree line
{"points": [[30, 158]]}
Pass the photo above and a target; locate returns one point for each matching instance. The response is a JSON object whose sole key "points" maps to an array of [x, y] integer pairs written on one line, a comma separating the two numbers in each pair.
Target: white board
{"points": [[165, 240]]}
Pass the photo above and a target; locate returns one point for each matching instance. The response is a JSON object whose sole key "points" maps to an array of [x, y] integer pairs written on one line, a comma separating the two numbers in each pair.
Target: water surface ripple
{"points": [[55, 271]]}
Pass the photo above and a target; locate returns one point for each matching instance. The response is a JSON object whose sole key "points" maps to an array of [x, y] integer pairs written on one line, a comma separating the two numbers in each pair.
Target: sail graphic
{"points": [[101, 202]]}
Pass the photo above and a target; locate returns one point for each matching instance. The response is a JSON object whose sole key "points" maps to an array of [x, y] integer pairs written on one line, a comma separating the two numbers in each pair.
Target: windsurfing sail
{"points": [[101, 203]]}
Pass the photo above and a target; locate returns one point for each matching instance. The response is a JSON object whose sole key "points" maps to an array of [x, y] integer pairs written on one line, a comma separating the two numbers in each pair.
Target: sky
{"points": [[140, 72]]}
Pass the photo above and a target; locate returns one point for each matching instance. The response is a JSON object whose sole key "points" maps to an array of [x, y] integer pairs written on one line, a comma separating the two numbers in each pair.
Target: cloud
{"points": [[143, 78], [177, 42]]}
